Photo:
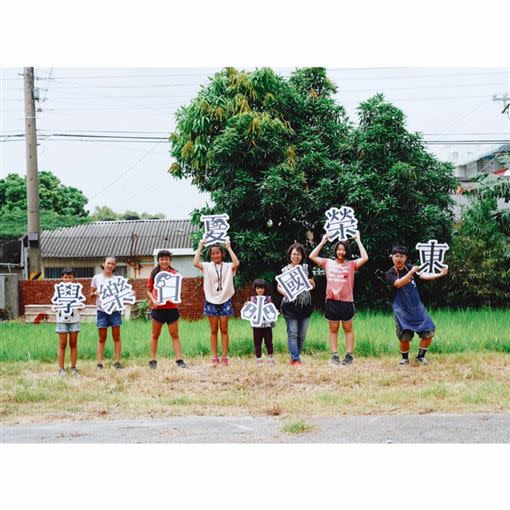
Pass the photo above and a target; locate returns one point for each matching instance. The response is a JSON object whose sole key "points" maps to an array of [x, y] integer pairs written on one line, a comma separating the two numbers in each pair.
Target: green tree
{"points": [[60, 205], [275, 154], [105, 213]]}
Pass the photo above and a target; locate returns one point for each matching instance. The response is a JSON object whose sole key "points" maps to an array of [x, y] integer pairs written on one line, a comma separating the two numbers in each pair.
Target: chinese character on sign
{"points": [[341, 223], [432, 256], [294, 282], [258, 312], [67, 298], [115, 293], [168, 287], [216, 227]]}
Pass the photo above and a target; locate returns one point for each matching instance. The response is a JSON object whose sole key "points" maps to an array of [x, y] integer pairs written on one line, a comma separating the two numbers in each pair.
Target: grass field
{"points": [[468, 372], [457, 331]]}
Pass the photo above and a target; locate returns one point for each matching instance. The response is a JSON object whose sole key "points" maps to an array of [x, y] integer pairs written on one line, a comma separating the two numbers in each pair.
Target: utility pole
{"points": [[506, 103], [34, 227]]}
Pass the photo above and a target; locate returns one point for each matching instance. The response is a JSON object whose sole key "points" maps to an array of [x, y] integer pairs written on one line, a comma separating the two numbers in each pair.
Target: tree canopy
{"points": [[276, 153]]}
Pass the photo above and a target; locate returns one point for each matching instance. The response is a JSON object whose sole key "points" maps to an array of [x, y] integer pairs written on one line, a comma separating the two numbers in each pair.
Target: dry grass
{"points": [[453, 383]]}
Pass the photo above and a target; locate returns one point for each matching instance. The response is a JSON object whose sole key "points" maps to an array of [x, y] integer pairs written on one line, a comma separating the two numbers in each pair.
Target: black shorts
{"points": [[165, 315], [339, 311]]}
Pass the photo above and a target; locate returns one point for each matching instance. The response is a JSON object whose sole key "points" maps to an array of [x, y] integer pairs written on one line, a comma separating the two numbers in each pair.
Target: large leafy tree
{"points": [[60, 205], [276, 153]]}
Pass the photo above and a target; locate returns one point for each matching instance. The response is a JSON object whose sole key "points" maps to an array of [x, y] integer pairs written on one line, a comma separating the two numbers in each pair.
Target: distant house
{"points": [[490, 162], [134, 243]]}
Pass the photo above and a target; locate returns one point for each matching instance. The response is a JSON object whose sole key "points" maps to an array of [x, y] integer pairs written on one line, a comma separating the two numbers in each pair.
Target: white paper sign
{"points": [[168, 287], [115, 293], [293, 282], [216, 227], [341, 223], [67, 298], [432, 256], [258, 312]]}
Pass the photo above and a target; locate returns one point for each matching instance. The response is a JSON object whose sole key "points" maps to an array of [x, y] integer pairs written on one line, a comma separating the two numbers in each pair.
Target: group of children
{"points": [[218, 281]]}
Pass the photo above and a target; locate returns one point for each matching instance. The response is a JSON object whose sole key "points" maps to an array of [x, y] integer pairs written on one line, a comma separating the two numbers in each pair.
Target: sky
{"points": [[446, 104]]}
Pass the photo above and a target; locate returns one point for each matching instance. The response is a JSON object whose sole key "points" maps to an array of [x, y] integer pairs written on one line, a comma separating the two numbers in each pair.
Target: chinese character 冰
{"points": [[258, 312]]}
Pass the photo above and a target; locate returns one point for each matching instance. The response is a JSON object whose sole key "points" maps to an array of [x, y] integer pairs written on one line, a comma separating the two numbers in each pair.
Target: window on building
{"points": [[79, 272], [121, 271]]}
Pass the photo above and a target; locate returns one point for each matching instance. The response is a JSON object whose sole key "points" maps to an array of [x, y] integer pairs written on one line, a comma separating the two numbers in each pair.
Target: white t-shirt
{"points": [[218, 282], [96, 282]]}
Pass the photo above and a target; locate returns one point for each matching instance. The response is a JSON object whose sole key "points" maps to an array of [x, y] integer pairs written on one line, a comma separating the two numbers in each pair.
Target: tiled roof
{"points": [[117, 238]]}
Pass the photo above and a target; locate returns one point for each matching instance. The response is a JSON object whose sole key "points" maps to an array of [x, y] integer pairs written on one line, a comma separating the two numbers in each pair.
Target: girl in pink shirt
{"points": [[339, 297]]}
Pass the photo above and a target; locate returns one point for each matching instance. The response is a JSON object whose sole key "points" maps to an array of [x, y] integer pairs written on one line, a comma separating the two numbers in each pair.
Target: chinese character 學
{"points": [[432, 256], [168, 287], [115, 293], [216, 227], [294, 282], [341, 223], [67, 298], [258, 312]]}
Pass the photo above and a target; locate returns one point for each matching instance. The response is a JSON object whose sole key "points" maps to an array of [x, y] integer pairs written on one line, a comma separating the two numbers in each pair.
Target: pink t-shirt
{"points": [[340, 279]]}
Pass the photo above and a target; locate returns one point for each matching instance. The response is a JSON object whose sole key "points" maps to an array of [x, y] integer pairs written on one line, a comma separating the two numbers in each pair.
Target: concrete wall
{"points": [[9, 293]]}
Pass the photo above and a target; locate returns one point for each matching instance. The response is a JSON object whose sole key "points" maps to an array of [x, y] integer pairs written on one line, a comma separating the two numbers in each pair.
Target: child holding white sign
{"points": [[339, 292], [264, 332], [163, 313], [218, 290], [106, 320]]}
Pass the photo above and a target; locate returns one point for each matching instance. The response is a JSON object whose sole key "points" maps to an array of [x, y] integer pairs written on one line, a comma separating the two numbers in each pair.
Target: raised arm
{"points": [[196, 260], [429, 277], [401, 282], [233, 256], [364, 255], [314, 256]]}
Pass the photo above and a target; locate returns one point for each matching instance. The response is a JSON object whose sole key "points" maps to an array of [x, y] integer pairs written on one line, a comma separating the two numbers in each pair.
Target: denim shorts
{"points": [[224, 310], [105, 320], [68, 327]]}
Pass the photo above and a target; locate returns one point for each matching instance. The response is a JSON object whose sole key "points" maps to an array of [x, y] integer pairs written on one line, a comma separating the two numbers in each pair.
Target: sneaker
{"points": [[62, 372], [153, 363], [421, 361], [296, 362], [117, 365], [348, 359], [215, 361], [270, 360], [260, 362], [99, 366], [224, 361], [335, 359], [74, 372], [180, 363], [403, 362]]}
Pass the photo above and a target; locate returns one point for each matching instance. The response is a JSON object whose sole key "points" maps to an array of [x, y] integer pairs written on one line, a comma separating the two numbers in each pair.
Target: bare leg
{"points": [[156, 331], [224, 336], [117, 346], [349, 335], [425, 342], [62, 344], [333, 335], [176, 341], [73, 346], [213, 323], [101, 343]]}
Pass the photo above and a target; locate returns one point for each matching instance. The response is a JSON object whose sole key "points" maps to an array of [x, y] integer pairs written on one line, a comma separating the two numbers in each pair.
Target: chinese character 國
{"points": [[294, 282]]}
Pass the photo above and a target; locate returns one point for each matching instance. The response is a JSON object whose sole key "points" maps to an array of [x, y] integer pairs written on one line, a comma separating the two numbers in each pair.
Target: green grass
{"points": [[298, 427], [457, 331]]}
